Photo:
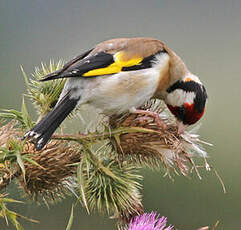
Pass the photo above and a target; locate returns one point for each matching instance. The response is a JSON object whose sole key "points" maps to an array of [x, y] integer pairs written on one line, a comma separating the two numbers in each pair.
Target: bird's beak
{"points": [[181, 127]]}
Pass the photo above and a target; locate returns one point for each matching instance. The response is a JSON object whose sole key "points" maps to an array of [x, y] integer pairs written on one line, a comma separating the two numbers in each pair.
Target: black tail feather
{"points": [[44, 129]]}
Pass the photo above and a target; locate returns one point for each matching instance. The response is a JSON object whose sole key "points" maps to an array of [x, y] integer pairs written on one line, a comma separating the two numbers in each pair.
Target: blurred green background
{"points": [[206, 34]]}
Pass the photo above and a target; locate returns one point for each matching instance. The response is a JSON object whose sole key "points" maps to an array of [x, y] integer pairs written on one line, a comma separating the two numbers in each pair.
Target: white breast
{"points": [[120, 92]]}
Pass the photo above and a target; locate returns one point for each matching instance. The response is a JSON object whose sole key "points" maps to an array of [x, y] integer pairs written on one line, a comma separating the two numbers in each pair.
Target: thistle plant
{"points": [[100, 167], [44, 96]]}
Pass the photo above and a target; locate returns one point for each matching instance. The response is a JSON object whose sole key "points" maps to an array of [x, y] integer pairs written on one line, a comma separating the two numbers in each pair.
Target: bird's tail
{"points": [[44, 129]]}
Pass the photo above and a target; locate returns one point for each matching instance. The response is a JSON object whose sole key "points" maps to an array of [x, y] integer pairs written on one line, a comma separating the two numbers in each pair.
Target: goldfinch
{"points": [[120, 75]]}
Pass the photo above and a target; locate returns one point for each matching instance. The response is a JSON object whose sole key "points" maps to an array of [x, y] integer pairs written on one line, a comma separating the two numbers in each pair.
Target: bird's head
{"points": [[186, 100]]}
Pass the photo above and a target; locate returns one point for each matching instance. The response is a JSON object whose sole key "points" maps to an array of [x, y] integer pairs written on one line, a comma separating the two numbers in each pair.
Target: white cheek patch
{"points": [[178, 97]]}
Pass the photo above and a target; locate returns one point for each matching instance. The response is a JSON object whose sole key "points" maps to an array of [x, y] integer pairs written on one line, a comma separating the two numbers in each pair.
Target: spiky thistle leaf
{"points": [[71, 218], [9, 214]]}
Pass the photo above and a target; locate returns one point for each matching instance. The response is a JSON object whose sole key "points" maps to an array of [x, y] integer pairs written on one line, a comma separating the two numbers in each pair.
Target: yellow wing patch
{"points": [[124, 61], [121, 60], [111, 69]]}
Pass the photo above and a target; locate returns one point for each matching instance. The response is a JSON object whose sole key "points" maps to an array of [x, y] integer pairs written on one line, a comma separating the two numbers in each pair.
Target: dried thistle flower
{"points": [[146, 143], [49, 173], [149, 221], [46, 174], [7, 170], [7, 131]]}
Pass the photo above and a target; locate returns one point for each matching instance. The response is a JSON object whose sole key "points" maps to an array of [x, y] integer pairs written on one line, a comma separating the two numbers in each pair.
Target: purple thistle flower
{"points": [[149, 221]]}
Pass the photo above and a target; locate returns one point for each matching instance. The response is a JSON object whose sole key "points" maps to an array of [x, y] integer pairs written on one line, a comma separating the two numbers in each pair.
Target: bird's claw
{"points": [[154, 115]]}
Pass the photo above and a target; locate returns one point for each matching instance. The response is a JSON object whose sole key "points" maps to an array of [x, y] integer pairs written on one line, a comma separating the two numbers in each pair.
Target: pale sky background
{"points": [[206, 34]]}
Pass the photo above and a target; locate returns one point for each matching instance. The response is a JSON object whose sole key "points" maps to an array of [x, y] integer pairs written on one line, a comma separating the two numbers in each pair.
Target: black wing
{"points": [[101, 63], [82, 64]]}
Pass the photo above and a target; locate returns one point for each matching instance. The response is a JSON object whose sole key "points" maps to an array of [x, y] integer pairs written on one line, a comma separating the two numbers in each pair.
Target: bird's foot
{"points": [[152, 114]]}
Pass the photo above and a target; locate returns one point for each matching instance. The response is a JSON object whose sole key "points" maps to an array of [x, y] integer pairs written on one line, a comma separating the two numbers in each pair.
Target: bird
{"points": [[120, 75]]}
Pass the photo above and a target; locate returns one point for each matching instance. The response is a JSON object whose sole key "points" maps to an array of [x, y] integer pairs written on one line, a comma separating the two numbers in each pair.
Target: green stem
{"points": [[80, 138]]}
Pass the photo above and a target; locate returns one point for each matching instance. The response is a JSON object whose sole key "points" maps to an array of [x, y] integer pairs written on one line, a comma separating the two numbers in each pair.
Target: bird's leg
{"points": [[155, 116]]}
